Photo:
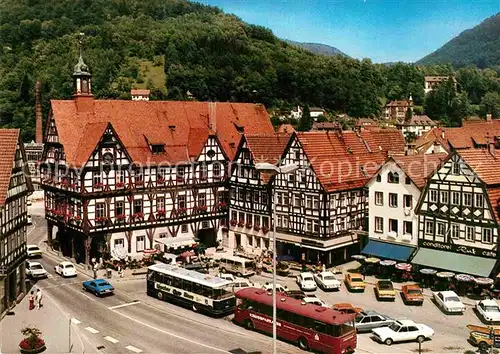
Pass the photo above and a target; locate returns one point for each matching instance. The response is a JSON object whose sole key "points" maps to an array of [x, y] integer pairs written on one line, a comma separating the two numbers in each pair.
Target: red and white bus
{"points": [[310, 326]]}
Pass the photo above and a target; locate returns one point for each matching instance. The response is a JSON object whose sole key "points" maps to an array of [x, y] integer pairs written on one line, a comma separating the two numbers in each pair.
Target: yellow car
{"points": [[384, 290], [354, 282], [480, 336]]}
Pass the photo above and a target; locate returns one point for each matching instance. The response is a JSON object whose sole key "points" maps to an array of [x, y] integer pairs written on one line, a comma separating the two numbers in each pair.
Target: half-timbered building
{"points": [[459, 214], [15, 185], [127, 176], [393, 194], [322, 207], [250, 190]]}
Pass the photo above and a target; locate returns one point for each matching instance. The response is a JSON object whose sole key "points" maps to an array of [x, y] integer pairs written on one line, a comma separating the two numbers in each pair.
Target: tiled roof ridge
{"points": [[9, 138]]}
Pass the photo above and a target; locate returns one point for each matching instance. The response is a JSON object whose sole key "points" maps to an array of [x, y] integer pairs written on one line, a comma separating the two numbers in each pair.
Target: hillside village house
{"points": [[317, 112], [418, 125], [459, 214], [393, 195], [396, 110], [432, 81], [140, 94], [250, 193], [129, 176], [15, 185]]}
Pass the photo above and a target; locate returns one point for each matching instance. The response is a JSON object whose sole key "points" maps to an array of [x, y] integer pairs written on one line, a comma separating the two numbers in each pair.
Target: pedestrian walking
{"points": [[120, 271], [38, 299], [95, 270], [31, 299]]}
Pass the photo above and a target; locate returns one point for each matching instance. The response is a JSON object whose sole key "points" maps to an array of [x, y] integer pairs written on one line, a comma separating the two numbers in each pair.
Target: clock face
{"points": [[211, 153], [107, 158]]}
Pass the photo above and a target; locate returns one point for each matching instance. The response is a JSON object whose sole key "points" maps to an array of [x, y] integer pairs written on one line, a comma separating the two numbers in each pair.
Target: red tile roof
{"points": [[183, 127], [387, 139], [286, 128], [400, 103], [420, 120], [428, 138], [8, 144], [342, 161], [267, 148], [486, 166], [419, 167], [139, 92]]}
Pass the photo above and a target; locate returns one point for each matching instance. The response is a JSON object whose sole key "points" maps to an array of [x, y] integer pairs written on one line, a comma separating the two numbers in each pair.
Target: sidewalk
{"points": [[53, 324]]}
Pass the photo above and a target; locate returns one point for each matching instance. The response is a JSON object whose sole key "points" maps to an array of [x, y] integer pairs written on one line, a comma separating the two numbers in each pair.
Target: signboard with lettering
{"points": [[471, 251]]}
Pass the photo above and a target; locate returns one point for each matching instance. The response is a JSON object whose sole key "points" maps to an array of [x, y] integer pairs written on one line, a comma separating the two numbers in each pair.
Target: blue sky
{"points": [[383, 30]]}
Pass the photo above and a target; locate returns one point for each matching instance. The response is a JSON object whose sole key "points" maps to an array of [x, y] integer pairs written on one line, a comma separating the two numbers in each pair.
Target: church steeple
{"points": [[81, 74]]}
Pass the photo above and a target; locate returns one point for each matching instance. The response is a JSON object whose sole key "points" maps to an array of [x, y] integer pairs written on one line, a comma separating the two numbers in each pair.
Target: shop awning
{"points": [[455, 262], [177, 242], [388, 250]]}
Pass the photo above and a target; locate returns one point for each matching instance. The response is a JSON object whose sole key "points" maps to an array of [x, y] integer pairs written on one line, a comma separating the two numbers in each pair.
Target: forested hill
{"points": [[317, 48], [172, 46], [479, 46]]}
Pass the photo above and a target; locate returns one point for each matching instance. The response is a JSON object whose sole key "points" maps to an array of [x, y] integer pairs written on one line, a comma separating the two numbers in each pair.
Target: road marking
{"points": [[92, 330], [172, 334], [88, 297], [124, 305], [75, 321], [133, 349], [111, 339]]}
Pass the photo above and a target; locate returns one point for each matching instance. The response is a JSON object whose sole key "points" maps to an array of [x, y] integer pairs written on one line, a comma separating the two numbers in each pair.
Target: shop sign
{"points": [[306, 241], [471, 251]]}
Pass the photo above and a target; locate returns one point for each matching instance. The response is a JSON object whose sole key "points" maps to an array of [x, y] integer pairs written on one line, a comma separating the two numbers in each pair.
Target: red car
{"points": [[412, 294]]}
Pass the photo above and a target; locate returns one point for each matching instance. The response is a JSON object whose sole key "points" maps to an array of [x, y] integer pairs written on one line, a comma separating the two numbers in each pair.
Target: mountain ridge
{"points": [[317, 48]]}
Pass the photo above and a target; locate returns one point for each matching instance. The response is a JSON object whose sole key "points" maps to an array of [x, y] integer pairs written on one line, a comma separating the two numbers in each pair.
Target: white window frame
{"points": [[455, 231], [470, 233], [433, 195], [391, 201], [455, 198], [309, 225], [315, 203], [119, 242], [440, 228], [489, 238], [184, 228], [379, 224], [429, 227], [479, 200], [444, 197], [404, 228], [379, 198], [397, 226], [467, 199], [140, 243]]}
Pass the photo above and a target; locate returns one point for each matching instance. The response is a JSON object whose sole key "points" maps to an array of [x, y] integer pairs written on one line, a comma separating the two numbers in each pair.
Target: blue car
{"points": [[98, 287]]}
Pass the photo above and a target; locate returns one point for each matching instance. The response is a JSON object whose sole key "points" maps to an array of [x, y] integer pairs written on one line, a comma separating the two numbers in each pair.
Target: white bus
{"points": [[240, 266], [202, 292]]}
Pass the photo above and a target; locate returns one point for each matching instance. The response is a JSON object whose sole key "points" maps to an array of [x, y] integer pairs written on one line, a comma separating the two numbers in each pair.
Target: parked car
{"points": [[366, 321], [279, 287], [384, 290], [65, 269], [306, 282], [402, 331], [226, 276], [30, 220], [354, 282], [98, 287], [35, 270], [312, 299], [488, 310], [242, 283], [327, 281], [347, 308], [412, 294], [449, 302], [33, 251]]}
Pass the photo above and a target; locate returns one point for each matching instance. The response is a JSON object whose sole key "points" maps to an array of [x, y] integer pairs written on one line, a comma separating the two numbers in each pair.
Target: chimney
{"points": [[488, 117], [38, 115]]}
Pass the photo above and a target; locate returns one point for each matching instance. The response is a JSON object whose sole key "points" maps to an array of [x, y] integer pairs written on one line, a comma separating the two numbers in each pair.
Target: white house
{"points": [[140, 95], [393, 196], [418, 124]]}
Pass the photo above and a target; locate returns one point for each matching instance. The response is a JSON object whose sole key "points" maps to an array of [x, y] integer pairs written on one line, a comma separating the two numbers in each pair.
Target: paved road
{"points": [[125, 323]]}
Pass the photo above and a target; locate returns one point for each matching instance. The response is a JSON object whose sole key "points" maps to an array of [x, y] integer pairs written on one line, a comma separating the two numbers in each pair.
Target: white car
{"points": [[488, 310], [449, 301], [306, 281], [242, 283], [327, 281], [35, 270], [226, 276], [33, 251], [279, 287], [65, 269], [314, 300], [401, 331]]}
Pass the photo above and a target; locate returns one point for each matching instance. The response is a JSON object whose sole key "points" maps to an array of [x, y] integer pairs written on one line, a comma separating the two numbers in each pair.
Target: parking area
{"points": [[450, 335]]}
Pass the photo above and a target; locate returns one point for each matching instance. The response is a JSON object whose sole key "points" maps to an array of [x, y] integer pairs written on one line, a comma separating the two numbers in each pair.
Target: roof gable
{"points": [[9, 139]]}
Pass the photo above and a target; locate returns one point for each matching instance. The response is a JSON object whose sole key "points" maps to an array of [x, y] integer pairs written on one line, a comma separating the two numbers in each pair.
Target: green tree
{"points": [[490, 104], [410, 137], [305, 122], [438, 102], [409, 114]]}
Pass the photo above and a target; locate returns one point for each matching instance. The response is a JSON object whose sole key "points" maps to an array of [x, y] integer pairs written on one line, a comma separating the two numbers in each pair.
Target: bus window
{"points": [[167, 279], [319, 327], [249, 265], [196, 288], [284, 315], [177, 283], [187, 285]]}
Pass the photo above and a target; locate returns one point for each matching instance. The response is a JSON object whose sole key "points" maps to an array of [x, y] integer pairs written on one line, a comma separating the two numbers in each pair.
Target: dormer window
{"points": [[239, 128], [157, 148]]}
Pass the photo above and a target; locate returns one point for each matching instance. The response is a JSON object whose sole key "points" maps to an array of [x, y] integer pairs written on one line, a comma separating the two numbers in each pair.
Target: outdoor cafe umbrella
{"points": [[387, 263], [427, 272], [372, 260], [483, 281], [445, 275], [466, 278], [462, 285], [404, 267], [358, 257]]}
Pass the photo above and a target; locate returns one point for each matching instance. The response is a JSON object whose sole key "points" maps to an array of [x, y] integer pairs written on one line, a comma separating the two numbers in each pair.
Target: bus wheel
{"points": [[159, 295], [194, 307], [249, 325], [303, 344]]}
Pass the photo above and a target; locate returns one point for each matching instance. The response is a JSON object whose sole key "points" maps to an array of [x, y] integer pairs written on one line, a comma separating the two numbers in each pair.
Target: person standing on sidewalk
{"points": [[95, 270], [38, 299], [31, 299]]}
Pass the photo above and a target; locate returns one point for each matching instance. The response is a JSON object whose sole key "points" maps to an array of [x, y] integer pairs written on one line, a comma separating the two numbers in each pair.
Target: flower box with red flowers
{"points": [[201, 208], [32, 343], [256, 227], [248, 225], [138, 216], [72, 185], [161, 213], [233, 223], [120, 217], [160, 180], [265, 229], [181, 211], [98, 185], [222, 206], [203, 178], [241, 223], [180, 179], [100, 220], [139, 183], [65, 183], [120, 185]]}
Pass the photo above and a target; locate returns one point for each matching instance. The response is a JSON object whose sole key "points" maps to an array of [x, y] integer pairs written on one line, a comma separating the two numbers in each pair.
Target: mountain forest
{"points": [[175, 46]]}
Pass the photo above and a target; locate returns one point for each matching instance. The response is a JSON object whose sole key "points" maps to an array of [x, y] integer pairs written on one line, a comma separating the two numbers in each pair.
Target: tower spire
{"points": [[81, 73]]}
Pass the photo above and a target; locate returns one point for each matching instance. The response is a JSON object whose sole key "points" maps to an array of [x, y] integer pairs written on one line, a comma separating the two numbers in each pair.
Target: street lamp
{"points": [[265, 167]]}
